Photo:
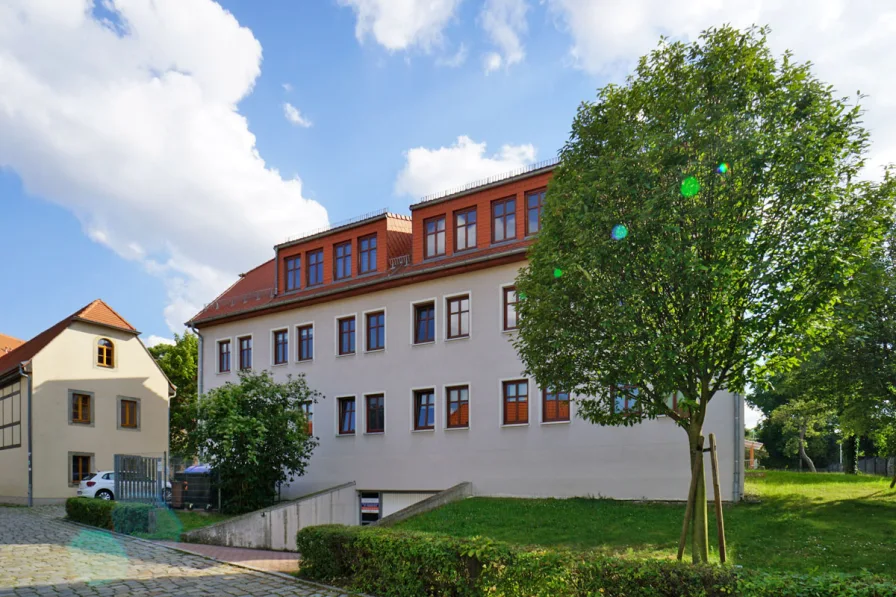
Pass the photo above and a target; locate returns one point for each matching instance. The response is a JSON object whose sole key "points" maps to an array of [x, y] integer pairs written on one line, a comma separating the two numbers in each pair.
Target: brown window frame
{"points": [[305, 346], [560, 408], [79, 473], [539, 208], [343, 402], [222, 353], [504, 401], [281, 341], [464, 230], [245, 353], [630, 405], [76, 410], [344, 260], [381, 335], [435, 234], [431, 322], [350, 333], [128, 407], [503, 218], [367, 410], [105, 353], [505, 306], [450, 313], [464, 415], [418, 404], [293, 268], [317, 267], [365, 259]]}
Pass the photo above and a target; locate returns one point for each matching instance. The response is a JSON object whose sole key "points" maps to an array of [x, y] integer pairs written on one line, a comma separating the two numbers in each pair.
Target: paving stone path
{"points": [[41, 555]]}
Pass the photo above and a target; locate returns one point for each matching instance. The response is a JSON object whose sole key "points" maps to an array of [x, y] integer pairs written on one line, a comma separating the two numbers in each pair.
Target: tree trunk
{"points": [[700, 537], [803, 454], [850, 455]]}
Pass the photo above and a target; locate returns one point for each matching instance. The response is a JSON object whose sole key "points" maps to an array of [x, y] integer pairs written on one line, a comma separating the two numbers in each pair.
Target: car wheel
{"points": [[104, 494]]}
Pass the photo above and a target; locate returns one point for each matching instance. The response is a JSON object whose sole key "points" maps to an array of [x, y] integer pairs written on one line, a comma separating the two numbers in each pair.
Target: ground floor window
{"points": [[516, 402], [346, 416], [79, 467], [370, 507]]}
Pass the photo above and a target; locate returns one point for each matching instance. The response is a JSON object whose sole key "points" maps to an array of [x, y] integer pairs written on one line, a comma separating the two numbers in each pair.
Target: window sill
{"points": [[467, 337], [348, 354], [467, 428], [428, 343], [556, 422], [223, 373], [514, 424], [433, 430], [510, 331], [345, 435], [375, 350], [128, 428], [304, 361], [374, 433], [279, 364], [506, 241]]}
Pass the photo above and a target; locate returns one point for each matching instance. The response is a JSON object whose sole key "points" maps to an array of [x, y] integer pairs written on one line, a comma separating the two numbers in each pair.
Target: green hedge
{"points": [[391, 563], [115, 516]]}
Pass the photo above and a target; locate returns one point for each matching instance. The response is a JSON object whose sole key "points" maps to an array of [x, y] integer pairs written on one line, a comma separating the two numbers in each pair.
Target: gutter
{"points": [[738, 446], [27, 375], [198, 362]]}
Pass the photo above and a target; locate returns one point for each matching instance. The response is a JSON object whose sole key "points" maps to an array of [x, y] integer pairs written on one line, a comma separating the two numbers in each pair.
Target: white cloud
{"points": [[454, 60], [402, 24], [132, 125], [287, 87], [156, 340], [504, 21], [432, 170], [294, 116], [850, 47]]}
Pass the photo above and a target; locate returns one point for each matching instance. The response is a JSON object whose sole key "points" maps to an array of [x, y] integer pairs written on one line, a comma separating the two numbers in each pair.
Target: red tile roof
{"points": [[8, 343], [254, 291], [96, 312]]}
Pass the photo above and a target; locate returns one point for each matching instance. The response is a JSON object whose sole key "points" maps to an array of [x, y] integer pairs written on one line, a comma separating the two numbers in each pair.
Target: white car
{"points": [[102, 485]]}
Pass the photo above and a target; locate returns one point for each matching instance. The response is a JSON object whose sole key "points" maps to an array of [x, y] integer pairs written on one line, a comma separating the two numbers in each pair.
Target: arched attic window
{"points": [[105, 353]]}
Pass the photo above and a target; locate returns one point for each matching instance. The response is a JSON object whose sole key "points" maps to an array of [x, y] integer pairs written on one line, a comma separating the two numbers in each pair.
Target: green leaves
{"points": [[180, 364]]}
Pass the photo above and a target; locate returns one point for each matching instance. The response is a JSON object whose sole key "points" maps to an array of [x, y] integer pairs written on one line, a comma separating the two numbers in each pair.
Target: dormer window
{"points": [[105, 353]]}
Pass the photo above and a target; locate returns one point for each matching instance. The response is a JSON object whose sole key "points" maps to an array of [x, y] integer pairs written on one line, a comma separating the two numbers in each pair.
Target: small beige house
{"points": [[74, 396]]}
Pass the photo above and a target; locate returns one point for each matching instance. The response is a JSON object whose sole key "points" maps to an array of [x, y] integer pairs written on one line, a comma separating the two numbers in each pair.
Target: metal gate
{"points": [[141, 479]]}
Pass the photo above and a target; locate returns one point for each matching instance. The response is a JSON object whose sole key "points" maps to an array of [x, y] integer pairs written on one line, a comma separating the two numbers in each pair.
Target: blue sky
{"points": [[147, 157]]}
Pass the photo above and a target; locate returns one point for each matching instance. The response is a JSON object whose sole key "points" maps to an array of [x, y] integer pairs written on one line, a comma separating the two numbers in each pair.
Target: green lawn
{"points": [[171, 523], [803, 522]]}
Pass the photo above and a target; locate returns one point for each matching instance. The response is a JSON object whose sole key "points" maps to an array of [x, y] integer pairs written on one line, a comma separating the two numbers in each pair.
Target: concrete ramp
{"points": [[275, 528]]}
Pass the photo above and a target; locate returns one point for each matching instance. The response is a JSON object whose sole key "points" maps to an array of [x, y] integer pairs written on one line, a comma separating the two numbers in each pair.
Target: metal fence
{"points": [[142, 479], [870, 466]]}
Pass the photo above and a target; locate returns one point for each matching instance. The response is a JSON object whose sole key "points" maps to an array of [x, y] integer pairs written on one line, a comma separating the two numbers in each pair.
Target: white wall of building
{"points": [[649, 460]]}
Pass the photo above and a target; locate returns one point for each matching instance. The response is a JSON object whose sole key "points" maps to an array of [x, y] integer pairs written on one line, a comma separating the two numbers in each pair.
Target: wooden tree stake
{"points": [[720, 521], [692, 496]]}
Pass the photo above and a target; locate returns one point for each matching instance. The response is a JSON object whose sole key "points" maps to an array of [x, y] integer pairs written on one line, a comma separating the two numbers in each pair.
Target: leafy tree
{"points": [[703, 220], [803, 418], [254, 434], [180, 363]]}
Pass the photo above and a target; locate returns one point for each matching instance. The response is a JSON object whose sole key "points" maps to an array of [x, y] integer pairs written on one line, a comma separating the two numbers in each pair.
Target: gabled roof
{"points": [[96, 312], [8, 343]]}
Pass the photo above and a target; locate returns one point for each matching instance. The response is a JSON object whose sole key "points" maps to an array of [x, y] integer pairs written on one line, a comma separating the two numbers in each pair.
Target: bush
{"points": [[115, 516], [391, 563], [133, 518], [97, 513]]}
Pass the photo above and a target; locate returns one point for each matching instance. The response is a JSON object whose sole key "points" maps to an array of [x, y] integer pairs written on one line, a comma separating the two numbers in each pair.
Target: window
{"points": [[309, 417], [306, 342], [105, 353], [376, 414], [80, 468], [534, 206], [510, 300], [315, 267], [11, 416], [465, 229], [347, 335], [281, 347], [555, 406], [376, 330], [293, 273], [245, 353], [80, 405], [459, 317], [434, 231], [424, 323], [625, 398], [128, 412], [516, 402], [673, 401], [503, 219], [458, 403], [342, 266], [346, 416], [367, 254], [424, 409], [224, 356]]}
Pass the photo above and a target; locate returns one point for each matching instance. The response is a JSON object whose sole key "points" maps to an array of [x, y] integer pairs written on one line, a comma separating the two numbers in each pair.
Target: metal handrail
{"points": [[354, 220]]}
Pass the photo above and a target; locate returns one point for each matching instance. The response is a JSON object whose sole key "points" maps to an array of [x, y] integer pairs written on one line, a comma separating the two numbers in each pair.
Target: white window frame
{"points": [[364, 314], [445, 299], [469, 407], [296, 358], [336, 335], [435, 421], [530, 385], [435, 304]]}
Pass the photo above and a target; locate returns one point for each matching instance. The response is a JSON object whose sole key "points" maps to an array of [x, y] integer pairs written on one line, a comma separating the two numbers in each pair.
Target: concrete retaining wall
{"points": [[276, 527], [458, 492]]}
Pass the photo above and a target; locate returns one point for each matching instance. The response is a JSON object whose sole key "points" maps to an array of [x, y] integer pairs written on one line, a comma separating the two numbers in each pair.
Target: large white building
{"points": [[405, 325]]}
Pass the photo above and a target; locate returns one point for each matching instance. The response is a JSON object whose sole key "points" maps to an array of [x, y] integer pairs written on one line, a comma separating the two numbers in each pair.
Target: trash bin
{"points": [[199, 490], [177, 493]]}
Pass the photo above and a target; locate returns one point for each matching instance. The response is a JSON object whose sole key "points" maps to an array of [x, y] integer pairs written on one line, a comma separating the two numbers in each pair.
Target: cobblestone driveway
{"points": [[41, 555]]}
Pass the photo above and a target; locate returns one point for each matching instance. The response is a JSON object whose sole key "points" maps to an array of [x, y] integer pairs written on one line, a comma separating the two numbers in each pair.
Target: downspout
{"points": [[198, 364], [26, 375], [738, 445]]}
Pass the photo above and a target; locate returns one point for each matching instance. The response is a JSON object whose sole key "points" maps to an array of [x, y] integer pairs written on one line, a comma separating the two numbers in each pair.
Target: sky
{"points": [[152, 151]]}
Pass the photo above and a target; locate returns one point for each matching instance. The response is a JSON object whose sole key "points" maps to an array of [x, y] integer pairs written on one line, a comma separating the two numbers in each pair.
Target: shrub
{"points": [[394, 563], [90, 511], [132, 518]]}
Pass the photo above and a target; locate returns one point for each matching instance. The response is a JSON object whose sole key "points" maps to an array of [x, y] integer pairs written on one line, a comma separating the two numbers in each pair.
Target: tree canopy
{"points": [[180, 363]]}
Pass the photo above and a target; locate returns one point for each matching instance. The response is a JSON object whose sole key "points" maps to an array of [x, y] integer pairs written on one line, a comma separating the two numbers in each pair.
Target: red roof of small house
{"points": [[8, 343]]}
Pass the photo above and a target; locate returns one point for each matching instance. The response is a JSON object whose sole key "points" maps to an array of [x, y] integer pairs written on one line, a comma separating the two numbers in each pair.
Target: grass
{"points": [[171, 523], [802, 523]]}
